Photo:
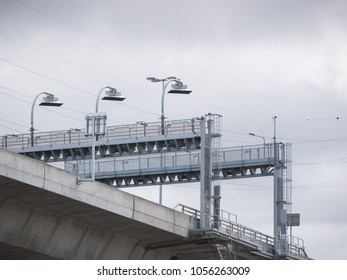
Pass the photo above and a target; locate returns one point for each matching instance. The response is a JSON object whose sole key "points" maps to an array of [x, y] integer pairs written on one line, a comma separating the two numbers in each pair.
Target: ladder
{"points": [[226, 251]]}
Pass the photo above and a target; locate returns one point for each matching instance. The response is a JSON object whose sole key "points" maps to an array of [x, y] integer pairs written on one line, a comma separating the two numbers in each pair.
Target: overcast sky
{"points": [[246, 60]]}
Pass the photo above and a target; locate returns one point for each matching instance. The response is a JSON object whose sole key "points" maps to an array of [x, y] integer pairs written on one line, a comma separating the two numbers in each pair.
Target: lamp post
{"points": [[177, 88], [255, 135], [111, 94], [96, 124], [48, 100]]}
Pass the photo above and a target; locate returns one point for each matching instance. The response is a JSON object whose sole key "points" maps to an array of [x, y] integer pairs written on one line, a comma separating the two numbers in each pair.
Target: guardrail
{"points": [[230, 227], [77, 136]]}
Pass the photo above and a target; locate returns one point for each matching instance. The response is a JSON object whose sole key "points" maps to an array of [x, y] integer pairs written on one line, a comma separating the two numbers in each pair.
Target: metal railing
{"points": [[174, 159], [77, 136], [229, 226]]}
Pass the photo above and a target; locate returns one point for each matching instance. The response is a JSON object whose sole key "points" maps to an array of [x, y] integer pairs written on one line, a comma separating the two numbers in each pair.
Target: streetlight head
{"points": [[179, 88], [113, 95], [251, 133], [171, 78], [50, 100], [153, 79]]}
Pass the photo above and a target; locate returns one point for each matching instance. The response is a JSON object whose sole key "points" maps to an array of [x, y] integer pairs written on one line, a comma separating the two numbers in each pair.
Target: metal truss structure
{"points": [[185, 151]]}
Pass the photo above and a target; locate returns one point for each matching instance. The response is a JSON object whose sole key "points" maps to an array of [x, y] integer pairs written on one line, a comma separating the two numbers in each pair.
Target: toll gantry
{"points": [[184, 151]]}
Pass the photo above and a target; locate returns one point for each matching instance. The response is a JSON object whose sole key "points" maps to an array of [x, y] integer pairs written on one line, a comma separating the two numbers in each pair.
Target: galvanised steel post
{"points": [[50, 101], [206, 174]]}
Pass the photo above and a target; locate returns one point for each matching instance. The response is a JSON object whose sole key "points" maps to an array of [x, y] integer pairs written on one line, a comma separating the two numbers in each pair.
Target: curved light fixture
{"points": [[50, 100], [179, 88], [113, 95]]}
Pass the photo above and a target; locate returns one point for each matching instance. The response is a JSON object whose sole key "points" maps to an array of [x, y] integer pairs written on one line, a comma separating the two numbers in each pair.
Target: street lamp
{"points": [[96, 124], [255, 135], [48, 100], [111, 94], [177, 88]]}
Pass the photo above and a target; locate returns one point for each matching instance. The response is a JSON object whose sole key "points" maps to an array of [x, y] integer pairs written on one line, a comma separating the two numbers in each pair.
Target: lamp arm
{"points": [[32, 110], [164, 90], [98, 97]]}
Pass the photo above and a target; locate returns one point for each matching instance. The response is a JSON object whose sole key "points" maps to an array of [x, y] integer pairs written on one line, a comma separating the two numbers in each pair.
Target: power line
{"points": [[14, 123], [151, 59], [86, 33], [52, 111], [68, 85], [46, 77], [12, 129], [62, 60]]}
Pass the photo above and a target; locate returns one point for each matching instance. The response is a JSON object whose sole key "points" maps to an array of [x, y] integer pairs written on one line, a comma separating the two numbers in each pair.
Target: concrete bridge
{"points": [[45, 214]]}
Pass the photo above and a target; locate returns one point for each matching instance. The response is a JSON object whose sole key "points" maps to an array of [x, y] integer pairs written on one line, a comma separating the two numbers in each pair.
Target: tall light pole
{"points": [[48, 100], [96, 124], [255, 135], [111, 94], [177, 88]]}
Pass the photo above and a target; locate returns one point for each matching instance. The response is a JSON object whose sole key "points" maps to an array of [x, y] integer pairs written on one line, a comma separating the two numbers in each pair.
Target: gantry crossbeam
{"points": [[179, 167], [118, 141]]}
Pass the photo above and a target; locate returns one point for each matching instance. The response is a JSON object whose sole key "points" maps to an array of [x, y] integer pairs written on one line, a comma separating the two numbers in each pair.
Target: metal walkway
{"points": [[118, 141], [180, 167]]}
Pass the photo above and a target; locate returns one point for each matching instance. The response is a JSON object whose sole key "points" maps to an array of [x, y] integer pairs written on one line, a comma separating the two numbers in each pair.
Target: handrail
{"points": [[236, 230], [173, 159], [77, 136]]}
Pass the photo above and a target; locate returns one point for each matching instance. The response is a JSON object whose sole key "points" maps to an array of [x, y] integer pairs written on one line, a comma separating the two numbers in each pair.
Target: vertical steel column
{"points": [[93, 151], [216, 206], [280, 211], [206, 174]]}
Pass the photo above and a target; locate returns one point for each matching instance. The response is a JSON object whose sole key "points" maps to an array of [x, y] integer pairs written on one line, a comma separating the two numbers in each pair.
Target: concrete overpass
{"points": [[45, 214]]}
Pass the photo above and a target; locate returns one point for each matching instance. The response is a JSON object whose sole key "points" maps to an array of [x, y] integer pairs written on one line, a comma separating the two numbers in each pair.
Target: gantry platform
{"points": [[122, 140], [179, 167]]}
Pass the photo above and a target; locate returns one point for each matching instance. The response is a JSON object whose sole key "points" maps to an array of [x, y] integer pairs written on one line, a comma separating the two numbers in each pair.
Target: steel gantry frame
{"points": [[140, 155], [178, 166]]}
